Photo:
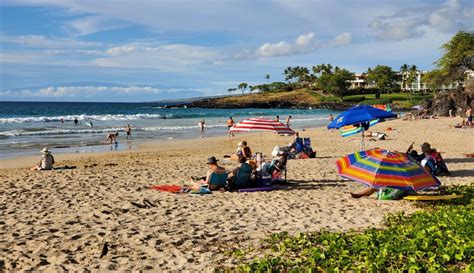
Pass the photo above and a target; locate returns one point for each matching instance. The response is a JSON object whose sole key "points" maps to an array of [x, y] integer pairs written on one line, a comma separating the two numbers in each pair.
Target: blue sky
{"points": [[142, 50]]}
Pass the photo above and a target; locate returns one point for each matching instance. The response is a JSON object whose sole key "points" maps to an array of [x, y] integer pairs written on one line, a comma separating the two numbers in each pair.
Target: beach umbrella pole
{"points": [[380, 197], [362, 145]]}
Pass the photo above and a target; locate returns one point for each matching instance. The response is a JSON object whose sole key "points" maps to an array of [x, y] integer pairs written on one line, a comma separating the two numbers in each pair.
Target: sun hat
{"points": [[426, 145], [45, 150], [212, 160]]}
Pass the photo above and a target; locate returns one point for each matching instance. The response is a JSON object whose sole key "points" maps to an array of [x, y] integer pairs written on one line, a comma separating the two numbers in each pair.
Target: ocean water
{"points": [[26, 127]]}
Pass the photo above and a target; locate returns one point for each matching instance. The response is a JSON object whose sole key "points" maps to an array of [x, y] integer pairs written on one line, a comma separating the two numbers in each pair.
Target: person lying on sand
{"points": [[459, 125], [397, 194], [469, 155], [213, 168], [46, 162], [375, 135]]}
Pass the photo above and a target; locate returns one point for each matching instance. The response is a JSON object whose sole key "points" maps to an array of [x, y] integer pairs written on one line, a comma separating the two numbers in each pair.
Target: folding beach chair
{"points": [[218, 180]]}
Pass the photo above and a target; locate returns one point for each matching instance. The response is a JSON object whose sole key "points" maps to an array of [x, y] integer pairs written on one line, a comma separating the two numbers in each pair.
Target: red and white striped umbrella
{"points": [[261, 124]]}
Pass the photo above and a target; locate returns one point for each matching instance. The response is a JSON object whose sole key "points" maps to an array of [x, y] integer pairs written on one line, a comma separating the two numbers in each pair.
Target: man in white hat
{"points": [[47, 161]]}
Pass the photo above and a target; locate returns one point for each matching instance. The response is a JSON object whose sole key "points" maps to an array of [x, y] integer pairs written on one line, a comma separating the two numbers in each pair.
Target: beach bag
{"points": [[391, 194]]}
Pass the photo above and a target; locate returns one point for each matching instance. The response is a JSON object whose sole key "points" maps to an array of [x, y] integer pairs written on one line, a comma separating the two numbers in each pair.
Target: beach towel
{"points": [[169, 188]]}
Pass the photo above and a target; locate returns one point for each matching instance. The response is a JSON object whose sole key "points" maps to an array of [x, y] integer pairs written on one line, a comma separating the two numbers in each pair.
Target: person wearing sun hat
{"points": [[213, 166], [46, 162]]}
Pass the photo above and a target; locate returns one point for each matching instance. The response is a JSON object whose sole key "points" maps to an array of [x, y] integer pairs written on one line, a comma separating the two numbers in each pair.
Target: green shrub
{"points": [[437, 239]]}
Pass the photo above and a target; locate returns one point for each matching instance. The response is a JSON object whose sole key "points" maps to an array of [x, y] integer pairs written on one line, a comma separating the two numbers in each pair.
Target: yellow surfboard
{"points": [[432, 197]]}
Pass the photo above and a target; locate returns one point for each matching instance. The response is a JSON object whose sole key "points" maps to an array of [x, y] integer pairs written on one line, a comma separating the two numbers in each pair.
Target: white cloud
{"points": [[303, 44], [139, 93], [92, 24], [341, 40], [450, 17], [172, 57], [40, 41]]}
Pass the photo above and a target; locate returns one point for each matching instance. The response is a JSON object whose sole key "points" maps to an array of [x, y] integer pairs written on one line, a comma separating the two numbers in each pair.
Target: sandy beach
{"points": [[60, 220]]}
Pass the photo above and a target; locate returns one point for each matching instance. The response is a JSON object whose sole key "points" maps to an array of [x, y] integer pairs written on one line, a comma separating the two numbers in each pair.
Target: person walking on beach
{"points": [[128, 130], [76, 121], [201, 126], [230, 123], [288, 121], [469, 116]]}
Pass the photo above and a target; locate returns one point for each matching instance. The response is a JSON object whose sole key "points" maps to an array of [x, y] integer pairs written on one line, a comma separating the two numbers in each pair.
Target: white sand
{"points": [[55, 220]]}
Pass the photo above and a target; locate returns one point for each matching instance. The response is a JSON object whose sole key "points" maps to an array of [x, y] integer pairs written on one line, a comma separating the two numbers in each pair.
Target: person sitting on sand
{"points": [[234, 178], [426, 152], [244, 150], [429, 159], [47, 161], [213, 168], [112, 137]]}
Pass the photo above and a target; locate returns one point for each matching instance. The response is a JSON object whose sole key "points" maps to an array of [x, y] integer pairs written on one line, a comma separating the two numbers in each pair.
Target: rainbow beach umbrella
{"points": [[378, 168]]}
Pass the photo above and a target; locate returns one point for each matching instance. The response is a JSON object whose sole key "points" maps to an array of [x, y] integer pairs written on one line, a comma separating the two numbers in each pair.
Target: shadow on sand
{"points": [[460, 160], [312, 184], [462, 173]]}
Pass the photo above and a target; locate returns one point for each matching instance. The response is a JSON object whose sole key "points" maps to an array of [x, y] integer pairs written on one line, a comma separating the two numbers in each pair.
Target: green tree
{"points": [[335, 81], [458, 57], [339, 82], [230, 90], [242, 87], [298, 73], [383, 77]]}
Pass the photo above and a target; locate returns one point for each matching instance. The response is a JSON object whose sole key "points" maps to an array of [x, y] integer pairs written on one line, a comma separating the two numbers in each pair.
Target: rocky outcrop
{"points": [[457, 99]]}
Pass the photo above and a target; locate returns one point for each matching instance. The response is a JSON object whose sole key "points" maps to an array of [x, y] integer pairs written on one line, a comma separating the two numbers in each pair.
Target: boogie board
{"points": [[432, 197]]}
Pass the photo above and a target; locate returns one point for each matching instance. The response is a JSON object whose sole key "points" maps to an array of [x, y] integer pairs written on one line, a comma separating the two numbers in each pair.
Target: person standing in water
{"points": [[331, 117], [230, 124], [202, 125], [288, 121], [76, 121], [90, 123], [128, 130]]}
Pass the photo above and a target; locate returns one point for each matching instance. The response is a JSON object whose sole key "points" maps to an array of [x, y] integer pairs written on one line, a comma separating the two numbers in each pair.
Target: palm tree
{"points": [[412, 73], [404, 71], [267, 77]]}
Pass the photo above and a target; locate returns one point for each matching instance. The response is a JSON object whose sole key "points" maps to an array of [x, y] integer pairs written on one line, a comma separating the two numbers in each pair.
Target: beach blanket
{"points": [[350, 130], [169, 188]]}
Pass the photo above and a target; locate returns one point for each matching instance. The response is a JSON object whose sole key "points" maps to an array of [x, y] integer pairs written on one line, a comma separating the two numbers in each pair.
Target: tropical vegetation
{"points": [[438, 238]]}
